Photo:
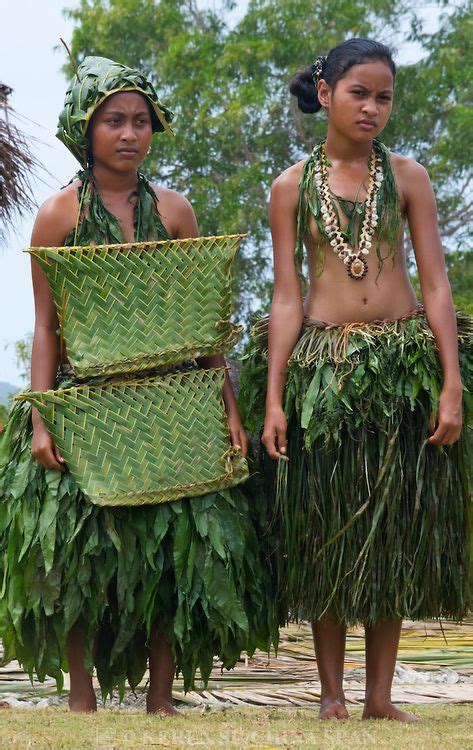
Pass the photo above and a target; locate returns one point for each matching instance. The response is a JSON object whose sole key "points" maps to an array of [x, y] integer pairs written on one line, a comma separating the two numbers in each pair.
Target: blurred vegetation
{"points": [[236, 126]]}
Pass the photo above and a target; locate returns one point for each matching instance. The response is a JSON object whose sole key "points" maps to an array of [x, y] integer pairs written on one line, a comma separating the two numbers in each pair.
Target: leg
{"points": [[161, 675], [329, 643], [382, 641], [82, 695]]}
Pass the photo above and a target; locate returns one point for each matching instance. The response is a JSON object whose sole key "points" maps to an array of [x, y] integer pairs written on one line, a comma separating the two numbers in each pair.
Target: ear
{"points": [[323, 93]]}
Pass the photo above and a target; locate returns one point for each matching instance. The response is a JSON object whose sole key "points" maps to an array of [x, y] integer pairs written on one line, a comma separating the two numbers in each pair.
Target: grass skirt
{"points": [[372, 521], [195, 565]]}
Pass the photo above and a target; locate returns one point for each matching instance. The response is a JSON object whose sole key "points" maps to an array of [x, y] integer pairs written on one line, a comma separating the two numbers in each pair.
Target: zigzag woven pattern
{"points": [[132, 307], [144, 441]]}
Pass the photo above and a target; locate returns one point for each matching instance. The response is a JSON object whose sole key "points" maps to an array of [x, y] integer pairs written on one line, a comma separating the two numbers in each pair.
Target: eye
{"points": [[358, 93]]}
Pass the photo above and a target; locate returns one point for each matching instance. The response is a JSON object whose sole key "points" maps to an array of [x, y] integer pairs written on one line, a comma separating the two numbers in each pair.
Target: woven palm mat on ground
{"points": [[435, 665]]}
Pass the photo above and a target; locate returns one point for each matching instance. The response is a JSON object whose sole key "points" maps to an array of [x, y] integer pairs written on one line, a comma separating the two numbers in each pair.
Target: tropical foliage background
{"points": [[236, 126]]}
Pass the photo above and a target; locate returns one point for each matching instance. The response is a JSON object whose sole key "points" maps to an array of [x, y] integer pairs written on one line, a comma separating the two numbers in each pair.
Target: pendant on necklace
{"points": [[355, 264], [357, 267]]}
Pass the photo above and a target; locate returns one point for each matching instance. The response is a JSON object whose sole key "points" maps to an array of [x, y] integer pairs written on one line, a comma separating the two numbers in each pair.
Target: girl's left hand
{"points": [[237, 433], [449, 422]]}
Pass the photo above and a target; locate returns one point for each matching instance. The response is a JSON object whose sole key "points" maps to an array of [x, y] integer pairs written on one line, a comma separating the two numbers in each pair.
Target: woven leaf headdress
{"points": [[96, 79]]}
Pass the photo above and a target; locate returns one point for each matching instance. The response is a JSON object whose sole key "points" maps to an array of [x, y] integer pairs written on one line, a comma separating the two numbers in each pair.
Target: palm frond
{"points": [[17, 166]]}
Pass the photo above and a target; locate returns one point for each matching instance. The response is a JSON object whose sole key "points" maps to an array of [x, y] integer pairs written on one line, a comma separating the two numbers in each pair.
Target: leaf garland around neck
{"points": [[387, 203], [96, 223]]}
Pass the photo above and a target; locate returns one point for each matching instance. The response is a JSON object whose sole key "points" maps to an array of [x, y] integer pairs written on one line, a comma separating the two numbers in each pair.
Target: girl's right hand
{"points": [[44, 450], [274, 432]]}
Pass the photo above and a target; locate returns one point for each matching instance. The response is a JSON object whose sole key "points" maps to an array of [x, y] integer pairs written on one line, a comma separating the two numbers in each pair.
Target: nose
{"points": [[128, 132], [370, 106]]}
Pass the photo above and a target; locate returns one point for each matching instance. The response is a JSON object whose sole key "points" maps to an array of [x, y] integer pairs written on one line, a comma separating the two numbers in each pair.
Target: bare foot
{"points": [[332, 708], [387, 711], [160, 706], [82, 702]]}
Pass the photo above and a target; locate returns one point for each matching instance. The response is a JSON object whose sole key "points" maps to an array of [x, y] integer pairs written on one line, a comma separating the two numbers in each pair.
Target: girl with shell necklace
{"points": [[363, 390]]}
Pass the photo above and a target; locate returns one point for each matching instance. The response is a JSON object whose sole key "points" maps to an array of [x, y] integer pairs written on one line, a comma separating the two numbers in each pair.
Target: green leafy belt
{"points": [[197, 566], [373, 520]]}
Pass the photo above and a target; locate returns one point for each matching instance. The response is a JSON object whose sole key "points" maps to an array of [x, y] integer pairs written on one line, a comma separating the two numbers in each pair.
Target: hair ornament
{"points": [[317, 68]]}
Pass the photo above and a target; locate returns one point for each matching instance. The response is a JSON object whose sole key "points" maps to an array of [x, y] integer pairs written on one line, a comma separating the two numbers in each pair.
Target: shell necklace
{"points": [[353, 257]]}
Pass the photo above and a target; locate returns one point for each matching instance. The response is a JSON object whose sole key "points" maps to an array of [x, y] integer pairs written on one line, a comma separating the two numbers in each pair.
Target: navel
{"points": [[365, 300]]}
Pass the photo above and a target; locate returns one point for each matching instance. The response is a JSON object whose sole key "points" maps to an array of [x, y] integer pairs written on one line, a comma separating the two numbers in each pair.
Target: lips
{"points": [[128, 151], [367, 123]]}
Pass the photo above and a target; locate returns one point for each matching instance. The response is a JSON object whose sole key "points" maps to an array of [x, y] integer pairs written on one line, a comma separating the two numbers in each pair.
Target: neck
{"points": [[110, 181], [340, 148]]}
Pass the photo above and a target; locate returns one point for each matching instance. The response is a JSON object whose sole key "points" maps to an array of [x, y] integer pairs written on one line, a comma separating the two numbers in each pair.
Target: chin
{"points": [[365, 137], [125, 165]]}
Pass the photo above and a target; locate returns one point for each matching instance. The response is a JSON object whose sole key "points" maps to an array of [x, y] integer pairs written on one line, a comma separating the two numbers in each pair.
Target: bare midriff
{"points": [[334, 297]]}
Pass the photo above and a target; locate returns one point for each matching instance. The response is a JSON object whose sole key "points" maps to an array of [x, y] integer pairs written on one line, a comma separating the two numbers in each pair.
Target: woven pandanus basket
{"points": [[129, 308], [144, 441]]}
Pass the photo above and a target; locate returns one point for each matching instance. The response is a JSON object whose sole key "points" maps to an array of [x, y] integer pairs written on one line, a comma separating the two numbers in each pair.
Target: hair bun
{"points": [[303, 87]]}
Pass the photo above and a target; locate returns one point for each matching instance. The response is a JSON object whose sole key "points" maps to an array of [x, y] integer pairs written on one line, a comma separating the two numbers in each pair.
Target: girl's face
{"points": [[360, 104], [120, 131]]}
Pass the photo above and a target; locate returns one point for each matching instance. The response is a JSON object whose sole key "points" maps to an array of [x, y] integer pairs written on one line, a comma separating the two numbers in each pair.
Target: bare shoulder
{"points": [[176, 212], [169, 197], [290, 177], [170, 201], [409, 174], [407, 167], [56, 217], [286, 185]]}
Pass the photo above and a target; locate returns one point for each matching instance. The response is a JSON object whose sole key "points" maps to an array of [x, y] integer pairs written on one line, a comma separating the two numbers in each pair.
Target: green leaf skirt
{"points": [[372, 521], [195, 566]]}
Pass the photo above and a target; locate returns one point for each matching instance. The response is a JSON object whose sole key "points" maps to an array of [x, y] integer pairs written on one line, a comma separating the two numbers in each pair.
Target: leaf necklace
{"points": [[353, 257]]}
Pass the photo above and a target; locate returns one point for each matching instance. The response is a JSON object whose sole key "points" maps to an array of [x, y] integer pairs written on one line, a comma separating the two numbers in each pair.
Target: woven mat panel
{"points": [[129, 308], [144, 441]]}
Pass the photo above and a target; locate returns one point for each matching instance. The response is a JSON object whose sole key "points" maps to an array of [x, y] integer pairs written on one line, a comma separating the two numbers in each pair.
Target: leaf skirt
{"points": [[195, 566], [372, 521]]}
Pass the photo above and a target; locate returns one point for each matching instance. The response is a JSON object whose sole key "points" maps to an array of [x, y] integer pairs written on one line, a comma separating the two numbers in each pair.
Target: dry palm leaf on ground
{"points": [[435, 666]]}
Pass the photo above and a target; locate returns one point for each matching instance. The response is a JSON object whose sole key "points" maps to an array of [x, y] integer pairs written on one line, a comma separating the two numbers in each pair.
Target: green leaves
{"points": [[236, 125], [196, 566]]}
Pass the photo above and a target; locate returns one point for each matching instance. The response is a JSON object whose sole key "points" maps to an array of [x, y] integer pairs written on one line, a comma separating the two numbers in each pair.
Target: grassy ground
{"points": [[445, 726]]}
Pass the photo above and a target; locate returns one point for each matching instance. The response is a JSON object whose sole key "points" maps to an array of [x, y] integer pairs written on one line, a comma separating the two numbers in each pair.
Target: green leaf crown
{"points": [[96, 79]]}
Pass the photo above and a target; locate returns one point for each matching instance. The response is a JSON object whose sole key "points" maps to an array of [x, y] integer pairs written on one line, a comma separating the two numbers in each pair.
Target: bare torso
{"points": [[332, 295]]}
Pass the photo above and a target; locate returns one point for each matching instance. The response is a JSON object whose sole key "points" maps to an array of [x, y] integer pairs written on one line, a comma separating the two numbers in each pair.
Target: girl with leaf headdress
{"points": [[363, 389], [87, 586]]}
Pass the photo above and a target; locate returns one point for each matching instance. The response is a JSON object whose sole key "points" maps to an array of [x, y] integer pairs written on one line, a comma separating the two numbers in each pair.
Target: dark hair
{"points": [[337, 63]]}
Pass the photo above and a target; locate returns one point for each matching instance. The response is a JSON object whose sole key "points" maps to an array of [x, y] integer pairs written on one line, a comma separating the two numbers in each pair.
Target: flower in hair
{"points": [[317, 68]]}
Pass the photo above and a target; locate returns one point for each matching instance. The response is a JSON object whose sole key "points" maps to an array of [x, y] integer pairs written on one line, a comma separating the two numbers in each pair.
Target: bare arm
{"points": [[51, 226], [186, 226], [437, 299], [287, 312]]}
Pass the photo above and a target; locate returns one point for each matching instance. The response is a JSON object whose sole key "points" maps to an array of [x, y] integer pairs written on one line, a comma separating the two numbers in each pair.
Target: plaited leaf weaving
{"points": [[144, 441], [131, 307]]}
